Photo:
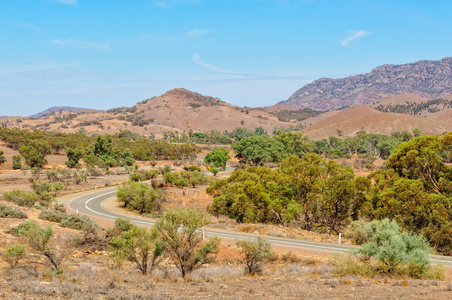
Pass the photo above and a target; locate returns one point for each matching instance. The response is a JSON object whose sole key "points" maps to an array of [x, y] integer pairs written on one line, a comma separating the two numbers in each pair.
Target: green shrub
{"points": [[27, 199], [151, 174], [13, 254], [22, 228], [214, 171], [139, 196], [60, 208], [9, 212], [51, 215], [192, 168], [388, 250], [17, 162], [135, 177], [79, 222], [121, 225], [253, 253], [357, 232], [181, 182]]}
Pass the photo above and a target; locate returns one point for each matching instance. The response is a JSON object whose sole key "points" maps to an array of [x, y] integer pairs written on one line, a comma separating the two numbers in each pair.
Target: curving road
{"points": [[92, 204]]}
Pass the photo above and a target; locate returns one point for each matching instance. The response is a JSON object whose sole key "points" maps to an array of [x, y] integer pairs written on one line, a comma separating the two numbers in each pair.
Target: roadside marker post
{"points": [[339, 238]]}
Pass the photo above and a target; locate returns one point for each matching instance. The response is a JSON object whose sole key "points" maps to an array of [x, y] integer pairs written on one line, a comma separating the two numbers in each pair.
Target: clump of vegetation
{"points": [[389, 250], [79, 222], [17, 162], [140, 197], [217, 158], [9, 212], [52, 215], [13, 254], [27, 199], [183, 243], [139, 247], [253, 254]]}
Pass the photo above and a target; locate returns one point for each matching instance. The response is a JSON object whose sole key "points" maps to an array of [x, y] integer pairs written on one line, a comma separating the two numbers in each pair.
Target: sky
{"points": [[103, 54]]}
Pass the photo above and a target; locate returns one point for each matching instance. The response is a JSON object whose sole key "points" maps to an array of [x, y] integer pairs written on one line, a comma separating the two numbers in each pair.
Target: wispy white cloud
{"points": [[66, 2], [197, 32], [355, 35], [196, 58], [77, 43]]}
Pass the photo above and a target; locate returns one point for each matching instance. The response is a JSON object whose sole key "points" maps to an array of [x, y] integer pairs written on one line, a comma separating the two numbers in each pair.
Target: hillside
{"points": [[360, 117], [412, 104], [177, 110], [429, 79], [54, 109]]}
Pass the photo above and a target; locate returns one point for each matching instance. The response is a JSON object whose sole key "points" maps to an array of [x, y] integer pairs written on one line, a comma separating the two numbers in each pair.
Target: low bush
{"points": [[389, 250], [22, 228], [52, 215], [27, 199], [254, 253], [13, 254], [9, 212], [79, 222]]}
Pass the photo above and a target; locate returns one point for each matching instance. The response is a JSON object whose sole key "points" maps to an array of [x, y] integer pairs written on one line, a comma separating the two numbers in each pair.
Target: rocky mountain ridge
{"points": [[429, 79]]}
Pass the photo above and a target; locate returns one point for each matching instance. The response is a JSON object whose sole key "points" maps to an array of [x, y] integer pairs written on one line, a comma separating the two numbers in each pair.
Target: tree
{"points": [[139, 247], [256, 194], [253, 253], [258, 150], [73, 156], [182, 241], [328, 194], [217, 158], [34, 153], [139, 196]]}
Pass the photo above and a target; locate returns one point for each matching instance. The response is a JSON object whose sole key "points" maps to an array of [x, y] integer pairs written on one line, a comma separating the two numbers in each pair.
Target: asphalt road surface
{"points": [[92, 204]]}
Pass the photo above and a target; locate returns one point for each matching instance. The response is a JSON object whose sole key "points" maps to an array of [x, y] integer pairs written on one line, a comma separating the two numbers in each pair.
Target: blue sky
{"points": [[109, 53]]}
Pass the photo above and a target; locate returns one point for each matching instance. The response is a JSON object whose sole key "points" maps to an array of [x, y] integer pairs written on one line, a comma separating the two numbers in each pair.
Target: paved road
{"points": [[92, 204]]}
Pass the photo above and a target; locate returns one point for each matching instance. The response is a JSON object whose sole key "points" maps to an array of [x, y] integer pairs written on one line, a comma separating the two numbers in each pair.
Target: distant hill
{"points": [[428, 79], [349, 121], [54, 109], [178, 110]]}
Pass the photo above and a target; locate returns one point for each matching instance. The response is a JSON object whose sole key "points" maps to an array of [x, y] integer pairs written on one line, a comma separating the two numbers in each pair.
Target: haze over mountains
{"points": [[428, 79]]}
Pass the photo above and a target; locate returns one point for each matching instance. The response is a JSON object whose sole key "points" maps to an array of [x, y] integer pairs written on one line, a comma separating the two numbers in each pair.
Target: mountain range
{"points": [[428, 79]]}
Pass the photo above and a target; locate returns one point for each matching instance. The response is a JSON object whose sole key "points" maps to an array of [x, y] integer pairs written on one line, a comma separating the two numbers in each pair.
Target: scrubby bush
{"points": [[139, 196], [135, 177], [387, 249], [214, 171], [42, 240], [9, 212], [139, 247], [357, 232], [22, 228], [183, 243], [27, 199], [51, 215], [121, 225], [79, 222], [17, 162], [151, 174], [13, 254], [253, 253]]}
